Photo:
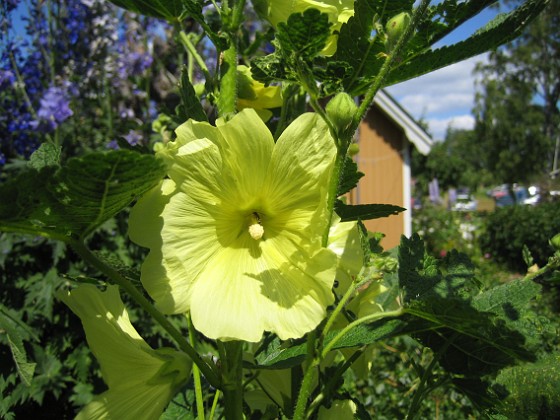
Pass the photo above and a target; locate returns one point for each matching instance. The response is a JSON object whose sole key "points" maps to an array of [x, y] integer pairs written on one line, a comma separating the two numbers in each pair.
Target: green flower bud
{"points": [[341, 110], [353, 149], [395, 28], [555, 242]]}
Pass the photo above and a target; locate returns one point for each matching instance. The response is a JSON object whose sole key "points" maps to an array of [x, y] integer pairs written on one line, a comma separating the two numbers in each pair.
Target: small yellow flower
{"points": [[235, 233], [141, 381]]}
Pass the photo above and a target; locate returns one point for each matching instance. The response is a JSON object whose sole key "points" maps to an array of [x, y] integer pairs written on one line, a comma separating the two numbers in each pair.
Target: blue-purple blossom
{"points": [[134, 64], [55, 107], [133, 137], [7, 79]]}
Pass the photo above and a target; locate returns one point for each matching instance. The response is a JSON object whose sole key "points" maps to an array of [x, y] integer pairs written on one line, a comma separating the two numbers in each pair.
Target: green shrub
{"points": [[509, 228]]}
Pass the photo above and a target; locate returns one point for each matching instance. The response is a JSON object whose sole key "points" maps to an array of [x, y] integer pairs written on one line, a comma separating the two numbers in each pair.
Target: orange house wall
{"points": [[381, 160]]}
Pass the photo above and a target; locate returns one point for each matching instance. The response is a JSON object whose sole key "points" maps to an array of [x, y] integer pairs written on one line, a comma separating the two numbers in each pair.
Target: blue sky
{"points": [[445, 97]]}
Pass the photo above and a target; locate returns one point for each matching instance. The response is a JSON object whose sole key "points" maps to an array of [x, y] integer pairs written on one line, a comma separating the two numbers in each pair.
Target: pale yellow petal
{"points": [[254, 287], [301, 168]]}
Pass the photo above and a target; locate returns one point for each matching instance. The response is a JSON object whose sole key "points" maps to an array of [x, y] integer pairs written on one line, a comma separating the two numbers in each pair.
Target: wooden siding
{"points": [[380, 158]]}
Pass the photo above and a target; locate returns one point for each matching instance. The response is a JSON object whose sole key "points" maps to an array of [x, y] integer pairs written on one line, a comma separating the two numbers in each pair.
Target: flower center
{"points": [[256, 229]]}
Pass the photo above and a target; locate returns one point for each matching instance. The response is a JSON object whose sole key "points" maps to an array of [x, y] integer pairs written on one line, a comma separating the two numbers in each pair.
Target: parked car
{"points": [[465, 202]]}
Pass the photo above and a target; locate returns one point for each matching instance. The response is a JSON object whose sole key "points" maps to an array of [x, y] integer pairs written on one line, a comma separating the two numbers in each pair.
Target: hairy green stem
{"points": [[191, 49], [231, 358], [227, 99], [388, 64], [332, 193], [312, 362], [334, 314], [214, 404], [83, 251], [196, 376], [363, 320]]}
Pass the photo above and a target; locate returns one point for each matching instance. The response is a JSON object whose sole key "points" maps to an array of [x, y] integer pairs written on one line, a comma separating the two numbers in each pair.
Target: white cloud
{"points": [[443, 97], [438, 127]]}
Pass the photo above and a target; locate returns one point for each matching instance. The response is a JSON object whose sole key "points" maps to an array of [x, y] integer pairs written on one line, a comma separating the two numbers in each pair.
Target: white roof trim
{"points": [[413, 132]]}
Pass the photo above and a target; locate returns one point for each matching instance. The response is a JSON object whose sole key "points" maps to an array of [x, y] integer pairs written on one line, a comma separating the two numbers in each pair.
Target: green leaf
{"points": [[166, 9], [531, 391], [350, 176], [502, 29], [365, 211], [10, 327], [278, 356], [470, 335], [191, 106], [74, 200], [355, 45], [46, 155], [304, 34], [440, 19]]}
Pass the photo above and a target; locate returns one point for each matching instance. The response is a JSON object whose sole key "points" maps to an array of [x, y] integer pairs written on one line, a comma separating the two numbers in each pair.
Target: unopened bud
{"points": [[395, 28], [353, 149], [341, 110], [555, 242]]}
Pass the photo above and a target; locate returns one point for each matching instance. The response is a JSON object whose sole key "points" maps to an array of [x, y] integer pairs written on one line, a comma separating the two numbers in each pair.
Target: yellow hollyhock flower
{"points": [[235, 233], [254, 94], [141, 381], [339, 11]]}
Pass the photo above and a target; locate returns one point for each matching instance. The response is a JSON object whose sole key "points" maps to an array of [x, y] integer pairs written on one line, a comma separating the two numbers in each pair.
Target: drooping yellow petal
{"points": [[141, 380]]}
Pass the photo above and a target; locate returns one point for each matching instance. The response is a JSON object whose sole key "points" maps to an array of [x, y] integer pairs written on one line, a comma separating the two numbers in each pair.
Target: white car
{"points": [[465, 202]]}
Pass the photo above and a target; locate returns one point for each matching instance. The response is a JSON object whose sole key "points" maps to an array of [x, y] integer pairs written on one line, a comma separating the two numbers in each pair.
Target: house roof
{"points": [[413, 131]]}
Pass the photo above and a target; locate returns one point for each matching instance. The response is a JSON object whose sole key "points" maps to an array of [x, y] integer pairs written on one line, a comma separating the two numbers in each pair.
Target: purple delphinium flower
{"points": [[134, 64], [7, 78], [55, 107]]}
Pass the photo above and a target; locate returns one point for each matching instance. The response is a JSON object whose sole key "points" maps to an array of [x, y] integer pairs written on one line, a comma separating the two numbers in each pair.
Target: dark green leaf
{"points": [[470, 338], [355, 45], [278, 356], [165, 9], [531, 391], [350, 177], [77, 198], [269, 68], [46, 155], [365, 211], [191, 106], [9, 327], [440, 19], [304, 34], [502, 29]]}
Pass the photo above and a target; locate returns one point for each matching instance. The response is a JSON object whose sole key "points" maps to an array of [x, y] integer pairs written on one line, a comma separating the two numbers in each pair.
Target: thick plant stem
{"points": [[231, 357], [228, 81], [80, 248], [333, 189]]}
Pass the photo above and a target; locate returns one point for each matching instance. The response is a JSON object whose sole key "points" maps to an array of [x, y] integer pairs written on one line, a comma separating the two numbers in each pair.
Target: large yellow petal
{"points": [[255, 287], [298, 181]]}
